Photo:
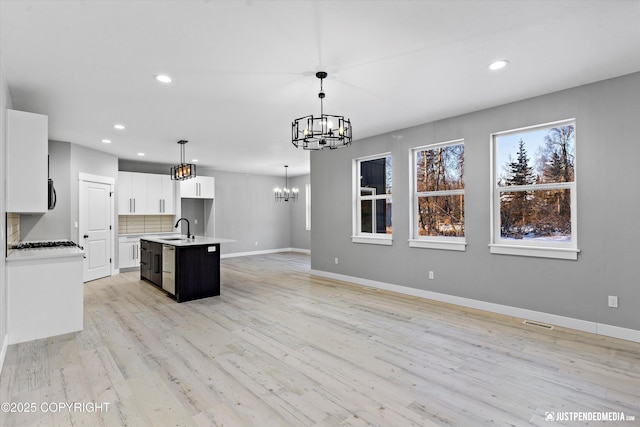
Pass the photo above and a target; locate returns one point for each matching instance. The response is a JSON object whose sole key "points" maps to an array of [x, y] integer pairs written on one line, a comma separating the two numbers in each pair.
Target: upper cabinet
{"points": [[132, 193], [27, 150], [200, 187], [160, 192], [145, 194]]}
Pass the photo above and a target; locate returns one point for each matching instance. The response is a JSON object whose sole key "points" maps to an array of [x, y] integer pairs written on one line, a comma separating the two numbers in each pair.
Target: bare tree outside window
{"points": [[439, 196]]}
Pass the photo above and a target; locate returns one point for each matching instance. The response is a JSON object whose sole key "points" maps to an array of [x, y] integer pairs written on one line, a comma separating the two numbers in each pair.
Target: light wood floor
{"points": [[280, 347]]}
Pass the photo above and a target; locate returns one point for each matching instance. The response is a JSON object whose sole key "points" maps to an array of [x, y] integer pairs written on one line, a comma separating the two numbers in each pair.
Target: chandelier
{"points": [[326, 131], [183, 170], [287, 193]]}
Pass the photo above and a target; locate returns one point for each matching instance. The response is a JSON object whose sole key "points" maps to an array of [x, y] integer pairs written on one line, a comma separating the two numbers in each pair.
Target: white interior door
{"points": [[95, 228]]}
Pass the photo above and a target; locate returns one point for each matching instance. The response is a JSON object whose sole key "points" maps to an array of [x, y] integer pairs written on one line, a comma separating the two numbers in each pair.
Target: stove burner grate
{"points": [[48, 244]]}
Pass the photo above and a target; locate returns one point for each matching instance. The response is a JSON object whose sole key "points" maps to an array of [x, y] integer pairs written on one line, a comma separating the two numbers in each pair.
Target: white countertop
{"points": [[183, 241], [44, 253]]}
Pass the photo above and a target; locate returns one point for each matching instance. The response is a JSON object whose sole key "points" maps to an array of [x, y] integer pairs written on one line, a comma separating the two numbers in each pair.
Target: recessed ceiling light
{"points": [[119, 126], [106, 141], [498, 65], [140, 154], [163, 78], [194, 160]]}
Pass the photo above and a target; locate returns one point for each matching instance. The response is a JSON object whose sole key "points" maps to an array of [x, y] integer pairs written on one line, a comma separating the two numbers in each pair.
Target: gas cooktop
{"points": [[46, 244]]}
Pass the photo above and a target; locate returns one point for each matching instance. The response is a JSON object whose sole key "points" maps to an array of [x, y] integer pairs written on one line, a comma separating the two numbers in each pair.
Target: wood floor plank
{"points": [[280, 347]]}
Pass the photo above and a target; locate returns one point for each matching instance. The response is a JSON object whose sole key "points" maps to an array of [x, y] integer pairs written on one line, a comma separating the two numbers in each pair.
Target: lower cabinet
{"points": [[45, 297], [128, 252], [151, 262], [197, 272]]}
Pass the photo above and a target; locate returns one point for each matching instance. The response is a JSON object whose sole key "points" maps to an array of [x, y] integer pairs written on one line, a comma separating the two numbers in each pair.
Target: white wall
{"points": [[5, 102]]}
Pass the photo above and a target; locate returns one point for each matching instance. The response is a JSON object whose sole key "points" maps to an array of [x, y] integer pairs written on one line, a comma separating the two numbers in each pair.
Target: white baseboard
{"points": [[538, 316], [3, 352], [266, 251]]}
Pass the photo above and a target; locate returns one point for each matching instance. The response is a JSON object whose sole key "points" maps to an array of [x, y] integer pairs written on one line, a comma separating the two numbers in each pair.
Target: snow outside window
{"points": [[534, 191]]}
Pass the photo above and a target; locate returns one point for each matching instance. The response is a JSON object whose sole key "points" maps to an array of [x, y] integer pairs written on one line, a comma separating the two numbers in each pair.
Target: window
{"points": [[437, 214], [372, 196], [307, 207], [534, 191]]}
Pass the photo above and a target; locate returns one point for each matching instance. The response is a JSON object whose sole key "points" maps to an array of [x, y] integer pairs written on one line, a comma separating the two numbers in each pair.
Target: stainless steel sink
{"points": [[176, 238]]}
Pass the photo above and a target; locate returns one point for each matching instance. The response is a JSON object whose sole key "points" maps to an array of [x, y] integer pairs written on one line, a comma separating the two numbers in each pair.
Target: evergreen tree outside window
{"points": [[534, 191], [372, 200], [437, 213]]}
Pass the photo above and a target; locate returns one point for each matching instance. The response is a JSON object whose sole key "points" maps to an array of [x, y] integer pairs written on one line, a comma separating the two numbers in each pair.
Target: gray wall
{"points": [[66, 161], [608, 150], [55, 223], [93, 162], [300, 237], [193, 210], [245, 211], [5, 102]]}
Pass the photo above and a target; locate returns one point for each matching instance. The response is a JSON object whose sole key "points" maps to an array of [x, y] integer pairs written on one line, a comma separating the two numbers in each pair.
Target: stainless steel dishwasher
{"points": [[169, 268]]}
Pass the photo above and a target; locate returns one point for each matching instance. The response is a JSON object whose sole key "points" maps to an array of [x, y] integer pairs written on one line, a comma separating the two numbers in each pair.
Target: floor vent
{"points": [[537, 324]]}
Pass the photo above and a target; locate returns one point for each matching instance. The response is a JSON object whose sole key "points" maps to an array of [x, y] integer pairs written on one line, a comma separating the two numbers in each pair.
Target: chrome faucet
{"points": [[188, 227]]}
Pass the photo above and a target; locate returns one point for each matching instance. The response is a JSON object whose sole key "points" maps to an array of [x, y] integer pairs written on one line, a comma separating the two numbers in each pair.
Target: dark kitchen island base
{"points": [[197, 272], [194, 271]]}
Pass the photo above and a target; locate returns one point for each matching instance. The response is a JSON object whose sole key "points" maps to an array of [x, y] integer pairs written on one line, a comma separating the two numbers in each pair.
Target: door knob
{"points": [[86, 236]]}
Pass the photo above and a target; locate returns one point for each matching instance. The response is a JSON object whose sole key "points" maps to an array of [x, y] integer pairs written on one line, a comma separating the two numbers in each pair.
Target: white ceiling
{"points": [[243, 70]]}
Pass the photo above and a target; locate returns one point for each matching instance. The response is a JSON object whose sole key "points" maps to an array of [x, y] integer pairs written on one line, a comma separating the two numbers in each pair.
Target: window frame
{"points": [[451, 243], [357, 235], [531, 248]]}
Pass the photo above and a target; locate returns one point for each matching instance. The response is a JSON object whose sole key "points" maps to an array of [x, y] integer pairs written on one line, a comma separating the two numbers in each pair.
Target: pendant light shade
{"points": [[183, 170]]}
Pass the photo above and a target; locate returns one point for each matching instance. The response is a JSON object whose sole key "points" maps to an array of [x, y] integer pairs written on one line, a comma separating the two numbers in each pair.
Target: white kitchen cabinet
{"points": [[160, 194], [145, 194], [200, 187], [129, 252], [44, 295], [132, 193], [27, 151]]}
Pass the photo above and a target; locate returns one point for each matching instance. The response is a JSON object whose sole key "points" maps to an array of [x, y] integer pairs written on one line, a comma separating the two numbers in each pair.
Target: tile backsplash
{"points": [[13, 230], [132, 224]]}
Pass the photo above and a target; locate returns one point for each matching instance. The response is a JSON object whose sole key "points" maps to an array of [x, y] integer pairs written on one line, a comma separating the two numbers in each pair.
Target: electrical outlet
{"points": [[195, 221], [613, 301], [431, 275], [256, 243], [336, 260]]}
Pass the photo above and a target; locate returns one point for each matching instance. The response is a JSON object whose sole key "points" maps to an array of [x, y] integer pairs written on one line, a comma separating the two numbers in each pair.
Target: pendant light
{"points": [[183, 170], [317, 133], [286, 194]]}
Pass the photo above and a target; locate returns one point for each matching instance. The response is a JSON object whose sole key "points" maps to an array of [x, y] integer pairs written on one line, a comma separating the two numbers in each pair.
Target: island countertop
{"points": [[182, 241]]}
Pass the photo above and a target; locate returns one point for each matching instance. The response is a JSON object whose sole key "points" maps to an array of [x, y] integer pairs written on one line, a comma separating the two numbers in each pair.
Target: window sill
{"points": [[387, 240], [438, 244], [535, 251]]}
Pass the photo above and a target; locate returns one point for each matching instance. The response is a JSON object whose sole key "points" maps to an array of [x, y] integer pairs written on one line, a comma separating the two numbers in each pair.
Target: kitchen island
{"points": [[185, 268]]}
